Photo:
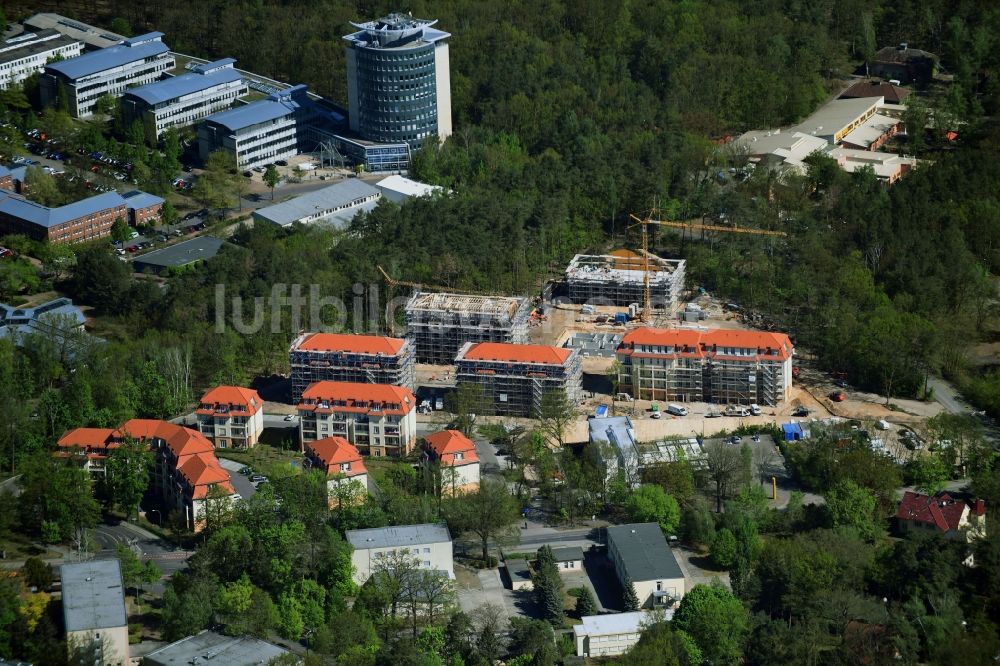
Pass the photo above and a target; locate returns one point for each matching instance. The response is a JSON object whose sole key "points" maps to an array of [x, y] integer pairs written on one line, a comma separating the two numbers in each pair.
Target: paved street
{"points": [[240, 483], [145, 544]]}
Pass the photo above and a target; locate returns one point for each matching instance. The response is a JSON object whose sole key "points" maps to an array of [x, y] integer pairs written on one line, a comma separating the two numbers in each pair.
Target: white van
{"points": [[677, 410], [755, 410], [882, 424]]}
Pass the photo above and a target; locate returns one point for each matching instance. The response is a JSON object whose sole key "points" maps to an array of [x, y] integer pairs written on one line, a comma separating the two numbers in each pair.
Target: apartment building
{"points": [[261, 132], [456, 454], [429, 544], [619, 278], [231, 417], [185, 469], [640, 553], [109, 71], [27, 54], [440, 323], [714, 365], [93, 606], [182, 100], [379, 419], [514, 378], [336, 357], [339, 460], [78, 222]]}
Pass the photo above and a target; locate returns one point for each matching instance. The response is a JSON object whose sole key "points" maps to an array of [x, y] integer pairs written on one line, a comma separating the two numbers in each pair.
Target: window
{"points": [[427, 549]]}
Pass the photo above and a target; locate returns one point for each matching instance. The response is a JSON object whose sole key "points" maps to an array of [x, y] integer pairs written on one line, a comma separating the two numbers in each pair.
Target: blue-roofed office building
{"points": [[399, 81], [261, 132], [57, 318], [27, 53], [110, 71], [77, 222], [182, 100]]}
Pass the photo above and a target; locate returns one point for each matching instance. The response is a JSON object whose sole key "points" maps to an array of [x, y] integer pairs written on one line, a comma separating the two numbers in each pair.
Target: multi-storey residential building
{"points": [[27, 53], [640, 553], [458, 459], [399, 81], [261, 132], [93, 604], [182, 100], [379, 419], [440, 323], [231, 417], [109, 71], [514, 378], [340, 461], [429, 545], [185, 471], [714, 365], [77, 222], [619, 278], [366, 359]]}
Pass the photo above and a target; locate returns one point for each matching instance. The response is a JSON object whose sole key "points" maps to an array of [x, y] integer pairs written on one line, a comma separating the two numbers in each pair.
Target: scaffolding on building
{"points": [[619, 279], [314, 365], [440, 323]]}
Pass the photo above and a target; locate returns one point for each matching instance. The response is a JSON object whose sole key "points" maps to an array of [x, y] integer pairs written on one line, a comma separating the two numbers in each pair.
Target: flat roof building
{"points": [[640, 552], [619, 279], [57, 317], [336, 204], [369, 359], [93, 602], [888, 167], [372, 156], [260, 132], [27, 54], [177, 256], [440, 323], [515, 377], [399, 81], [400, 189], [109, 71], [216, 649], [835, 120], [614, 634], [774, 148], [428, 543], [92, 36], [182, 100], [77, 222]]}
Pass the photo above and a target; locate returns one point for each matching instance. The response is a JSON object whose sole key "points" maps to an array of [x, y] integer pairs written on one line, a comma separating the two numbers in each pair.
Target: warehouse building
{"points": [[27, 54], [336, 204], [110, 71], [379, 419], [440, 323], [714, 365], [174, 257], [178, 101], [619, 278], [93, 605], [261, 132], [365, 359], [81, 221], [515, 377], [399, 81]]}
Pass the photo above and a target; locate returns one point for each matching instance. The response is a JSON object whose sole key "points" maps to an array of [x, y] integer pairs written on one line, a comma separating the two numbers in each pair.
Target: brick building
{"points": [[81, 221], [143, 208]]}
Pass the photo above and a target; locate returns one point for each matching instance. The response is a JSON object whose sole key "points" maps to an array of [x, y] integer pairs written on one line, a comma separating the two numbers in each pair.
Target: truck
{"points": [[737, 410]]}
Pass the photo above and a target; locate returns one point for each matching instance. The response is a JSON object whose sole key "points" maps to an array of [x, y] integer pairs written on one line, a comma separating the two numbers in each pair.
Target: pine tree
{"points": [[629, 598], [549, 587], [585, 603]]}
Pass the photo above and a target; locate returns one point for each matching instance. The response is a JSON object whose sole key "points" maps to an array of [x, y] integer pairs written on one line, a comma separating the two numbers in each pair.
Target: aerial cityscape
{"points": [[499, 334]]}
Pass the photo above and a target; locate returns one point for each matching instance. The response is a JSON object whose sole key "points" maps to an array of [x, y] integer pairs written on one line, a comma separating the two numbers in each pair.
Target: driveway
{"points": [[476, 588], [240, 483]]}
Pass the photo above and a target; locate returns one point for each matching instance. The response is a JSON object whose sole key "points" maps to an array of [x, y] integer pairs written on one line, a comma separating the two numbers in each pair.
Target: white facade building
{"points": [[27, 53], [639, 551], [609, 635], [429, 544], [93, 602]]}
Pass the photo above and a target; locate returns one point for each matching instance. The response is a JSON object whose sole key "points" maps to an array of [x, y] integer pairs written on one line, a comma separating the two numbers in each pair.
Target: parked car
{"points": [[257, 478], [801, 411], [246, 471], [281, 162], [248, 174], [838, 396], [290, 417]]}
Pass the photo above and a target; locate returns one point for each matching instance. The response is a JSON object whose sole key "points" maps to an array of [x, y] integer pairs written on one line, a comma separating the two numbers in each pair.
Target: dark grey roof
{"points": [[24, 46], [211, 648], [518, 570], [568, 553], [644, 552], [398, 535], [182, 254], [92, 595]]}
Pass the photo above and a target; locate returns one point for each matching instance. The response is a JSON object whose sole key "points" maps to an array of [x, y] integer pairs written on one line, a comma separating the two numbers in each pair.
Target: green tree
{"points": [[121, 27], [127, 476], [489, 512], [585, 603], [271, 178], [466, 402], [56, 495], [929, 473], [37, 573], [651, 504], [664, 645], [555, 414], [724, 548], [850, 505], [41, 187], [532, 640], [915, 120], [630, 600], [718, 622], [548, 587], [188, 604], [120, 231], [107, 104]]}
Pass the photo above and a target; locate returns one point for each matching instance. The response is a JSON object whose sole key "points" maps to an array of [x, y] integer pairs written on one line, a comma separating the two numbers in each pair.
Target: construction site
{"points": [[440, 323], [620, 278], [366, 359]]}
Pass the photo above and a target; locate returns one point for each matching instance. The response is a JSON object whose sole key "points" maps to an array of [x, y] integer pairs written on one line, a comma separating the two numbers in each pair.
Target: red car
{"points": [[132, 248], [838, 396]]}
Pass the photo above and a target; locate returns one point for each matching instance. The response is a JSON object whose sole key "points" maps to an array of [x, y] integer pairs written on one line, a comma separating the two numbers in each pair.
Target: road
{"points": [[240, 483], [947, 396], [146, 545]]}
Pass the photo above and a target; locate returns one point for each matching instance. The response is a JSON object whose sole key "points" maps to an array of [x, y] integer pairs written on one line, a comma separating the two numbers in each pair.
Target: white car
{"points": [[755, 410], [290, 417]]}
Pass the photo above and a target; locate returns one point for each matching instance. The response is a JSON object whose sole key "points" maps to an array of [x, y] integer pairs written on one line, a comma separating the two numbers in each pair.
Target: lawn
{"points": [[267, 460]]}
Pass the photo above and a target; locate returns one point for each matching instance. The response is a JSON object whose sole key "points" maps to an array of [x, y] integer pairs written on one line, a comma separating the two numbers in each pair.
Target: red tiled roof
{"points": [[233, 396], [943, 511], [707, 341], [447, 443], [332, 451], [354, 392], [514, 353], [357, 344], [201, 470], [86, 438], [893, 94], [180, 440]]}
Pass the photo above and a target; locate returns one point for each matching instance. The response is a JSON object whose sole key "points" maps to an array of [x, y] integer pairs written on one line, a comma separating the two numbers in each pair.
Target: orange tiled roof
{"points": [[357, 344], [233, 395], [447, 443], [514, 353], [707, 341], [180, 440], [355, 392], [332, 451], [86, 438]]}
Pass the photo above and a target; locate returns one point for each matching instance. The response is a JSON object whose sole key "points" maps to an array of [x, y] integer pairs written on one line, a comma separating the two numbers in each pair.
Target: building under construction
{"points": [[715, 365], [366, 359], [440, 323], [515, 377], [618, 279]]}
